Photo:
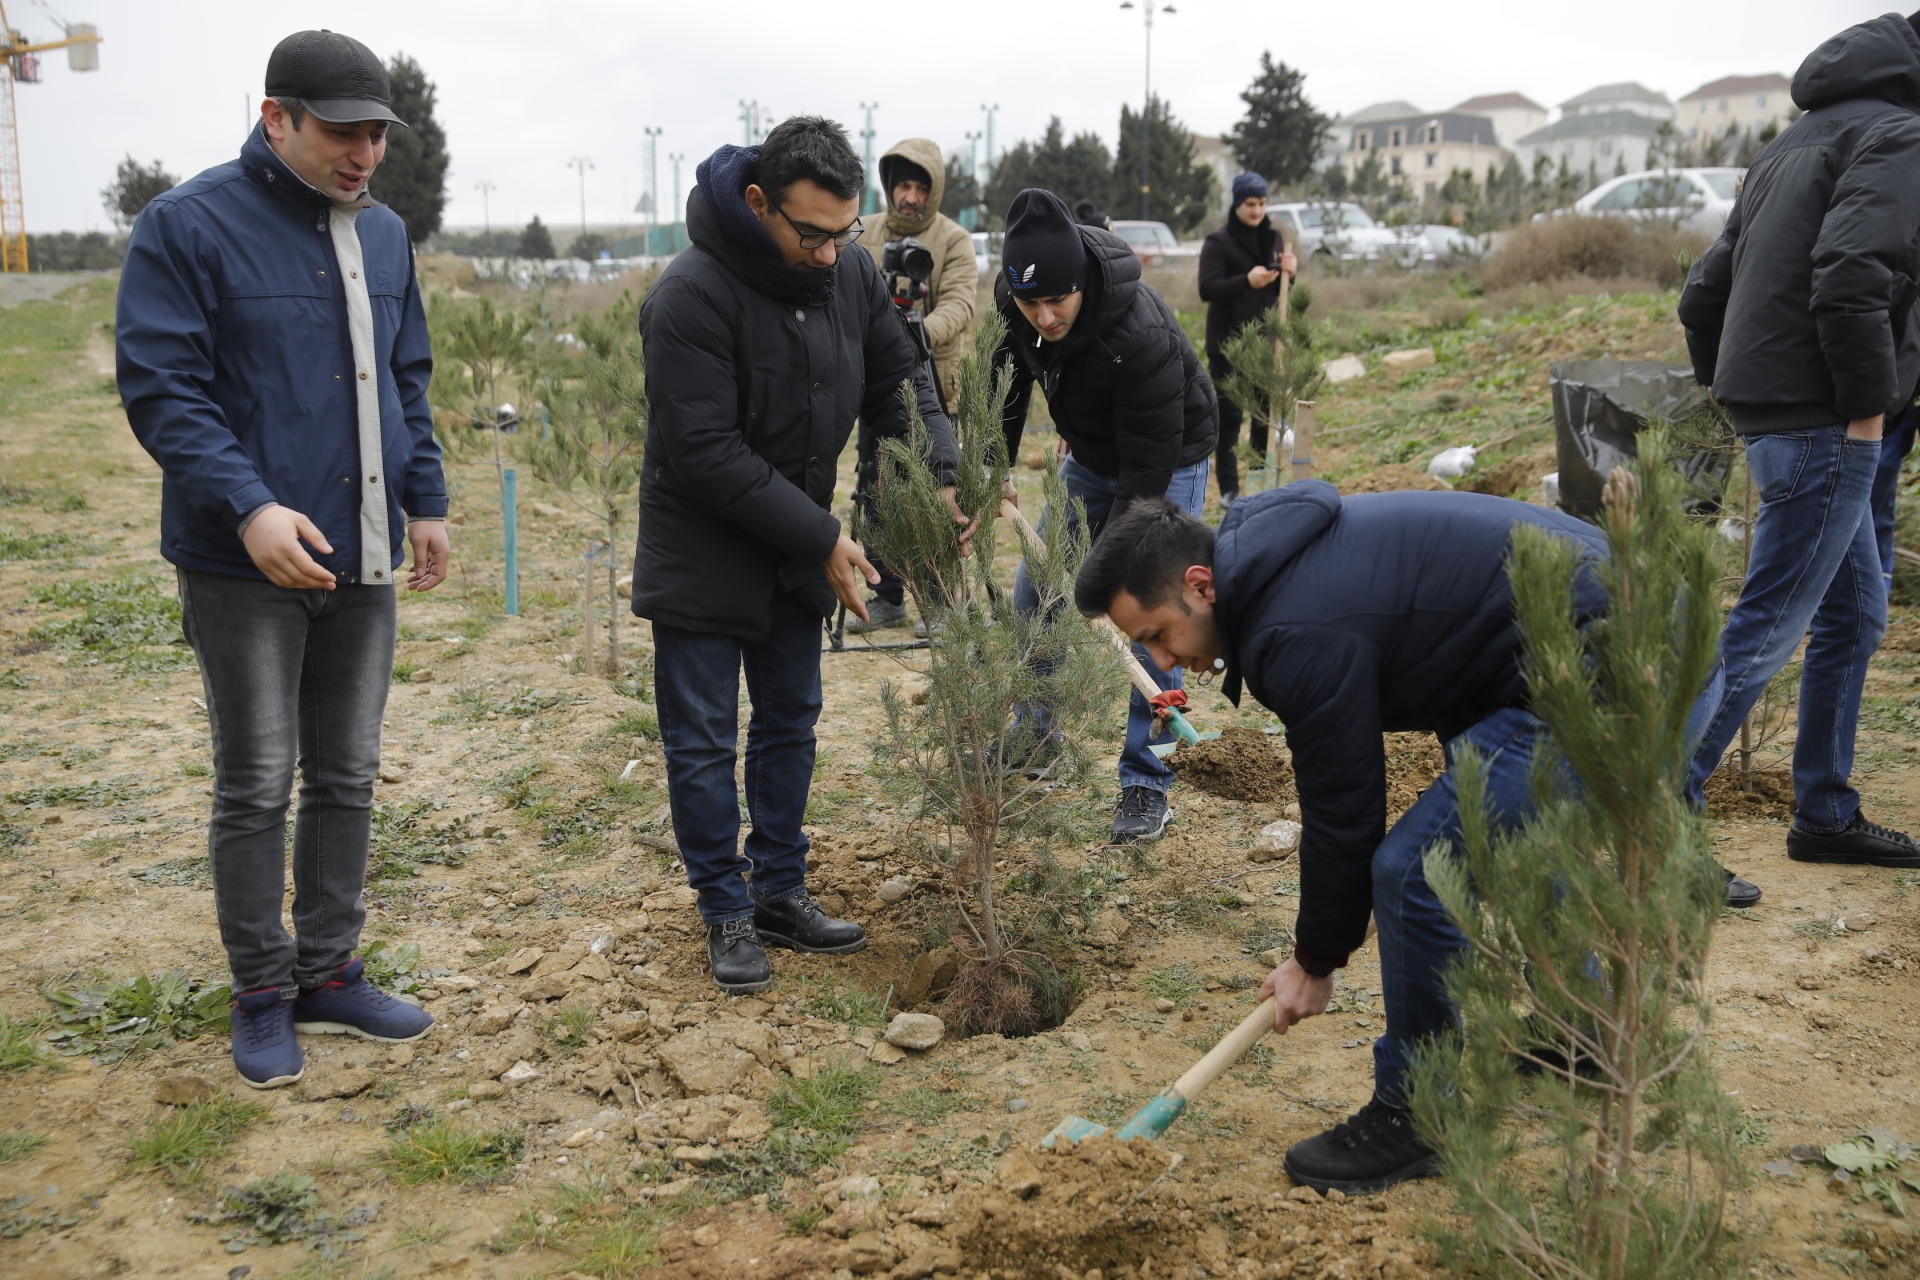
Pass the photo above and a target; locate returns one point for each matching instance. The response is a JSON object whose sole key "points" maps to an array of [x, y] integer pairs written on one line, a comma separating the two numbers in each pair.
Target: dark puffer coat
{"points": [[1803, 313], [1125, 386], [1226, 256], [755, 374]]}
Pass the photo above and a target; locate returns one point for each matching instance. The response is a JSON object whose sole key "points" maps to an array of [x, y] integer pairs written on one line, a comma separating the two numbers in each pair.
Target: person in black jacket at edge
{"points": [[1803, 319], [1349, 618], [1132, 405], [1240, 266], [762, 342]]}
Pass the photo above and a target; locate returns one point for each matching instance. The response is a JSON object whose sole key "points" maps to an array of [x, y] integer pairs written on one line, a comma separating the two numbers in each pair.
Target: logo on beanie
{"points": [[1025, 279]]}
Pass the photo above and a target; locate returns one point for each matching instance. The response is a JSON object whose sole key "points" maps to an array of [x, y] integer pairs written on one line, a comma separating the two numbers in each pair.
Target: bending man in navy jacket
{"points": [[273, 359], [1349, 618]]}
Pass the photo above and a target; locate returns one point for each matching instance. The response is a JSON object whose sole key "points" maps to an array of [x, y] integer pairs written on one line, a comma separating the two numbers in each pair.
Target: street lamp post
{"points": [[1147, 8], [866, 168], [973, 171], [991, 112], [679, 209], [486, 188], [653, 185], [583, 164]]}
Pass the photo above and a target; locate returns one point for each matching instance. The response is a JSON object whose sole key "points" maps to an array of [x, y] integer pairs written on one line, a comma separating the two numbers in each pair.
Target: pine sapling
{"points": [[1588, 929], [1275, 366]]}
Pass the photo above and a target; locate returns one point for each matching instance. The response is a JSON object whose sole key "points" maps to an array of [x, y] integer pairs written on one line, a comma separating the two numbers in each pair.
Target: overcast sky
{"points": [[525, 86]]}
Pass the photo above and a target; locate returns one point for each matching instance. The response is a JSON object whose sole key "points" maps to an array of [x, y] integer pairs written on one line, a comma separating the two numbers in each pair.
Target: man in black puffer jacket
{"points": [[1240, 266], [1132, 405], [1802, 317], [762, 342]]}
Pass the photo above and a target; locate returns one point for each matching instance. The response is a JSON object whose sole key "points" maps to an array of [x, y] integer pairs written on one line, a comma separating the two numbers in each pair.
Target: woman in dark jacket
{"points": [[1240, 266]]}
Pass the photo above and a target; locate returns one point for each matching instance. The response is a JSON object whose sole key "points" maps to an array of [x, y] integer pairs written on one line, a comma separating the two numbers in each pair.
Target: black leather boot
{"points": [[739, 961], [798, 923]]}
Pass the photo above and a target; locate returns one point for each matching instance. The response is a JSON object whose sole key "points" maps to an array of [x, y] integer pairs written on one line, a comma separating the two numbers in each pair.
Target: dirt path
{"points": [[554, 933]]}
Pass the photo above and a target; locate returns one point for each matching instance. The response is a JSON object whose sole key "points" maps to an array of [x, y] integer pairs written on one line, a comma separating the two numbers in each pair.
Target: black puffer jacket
{"points": [[1225, 259], [1803, 312], [754, 377], [1125, 387]]}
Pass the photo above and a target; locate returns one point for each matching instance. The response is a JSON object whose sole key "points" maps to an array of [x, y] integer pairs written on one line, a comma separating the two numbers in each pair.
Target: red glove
{"points": [[1167, 700]]}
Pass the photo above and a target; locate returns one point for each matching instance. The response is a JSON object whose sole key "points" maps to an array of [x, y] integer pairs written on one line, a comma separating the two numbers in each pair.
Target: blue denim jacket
{"points": [[237, 371]]}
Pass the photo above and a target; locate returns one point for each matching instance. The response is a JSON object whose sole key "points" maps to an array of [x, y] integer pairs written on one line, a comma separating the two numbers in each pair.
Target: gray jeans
{"points": [[290, 674]]}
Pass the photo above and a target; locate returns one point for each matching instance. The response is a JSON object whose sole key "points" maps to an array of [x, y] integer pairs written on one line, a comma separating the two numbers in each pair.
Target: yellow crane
{"points": [[22, 63]]}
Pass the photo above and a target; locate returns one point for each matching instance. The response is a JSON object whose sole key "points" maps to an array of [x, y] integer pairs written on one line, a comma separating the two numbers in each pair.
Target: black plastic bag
{"points": [[1600, 406]]}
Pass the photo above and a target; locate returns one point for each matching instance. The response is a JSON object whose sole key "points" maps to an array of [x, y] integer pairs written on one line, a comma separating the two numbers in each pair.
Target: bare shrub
{"points": [[1596, 248]]}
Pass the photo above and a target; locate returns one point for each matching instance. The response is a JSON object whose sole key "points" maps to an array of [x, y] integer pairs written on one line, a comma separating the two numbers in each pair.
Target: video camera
{"points": [[908, 266]]}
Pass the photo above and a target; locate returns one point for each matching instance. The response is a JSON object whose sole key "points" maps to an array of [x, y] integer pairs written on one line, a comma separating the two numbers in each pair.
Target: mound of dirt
{"points": [[1241, 764], [1518, 476], [1414, 760], [1394, 476], [1771, 797]]}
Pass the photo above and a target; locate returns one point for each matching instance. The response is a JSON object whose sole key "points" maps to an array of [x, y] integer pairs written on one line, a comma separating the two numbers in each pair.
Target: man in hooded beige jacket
{"points": [[913, 175]]}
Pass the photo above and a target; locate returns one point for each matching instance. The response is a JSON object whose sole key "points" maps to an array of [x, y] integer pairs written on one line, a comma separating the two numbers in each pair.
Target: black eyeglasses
{"points": [[814, 239]]}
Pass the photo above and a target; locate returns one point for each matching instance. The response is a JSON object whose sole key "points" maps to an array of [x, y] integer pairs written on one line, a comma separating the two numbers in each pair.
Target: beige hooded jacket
{"points": [[950, 309]]}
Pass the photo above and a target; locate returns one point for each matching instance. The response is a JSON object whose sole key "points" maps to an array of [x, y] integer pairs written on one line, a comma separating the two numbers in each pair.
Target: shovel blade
{"points": [[1164, 749], [1074, 1130]]}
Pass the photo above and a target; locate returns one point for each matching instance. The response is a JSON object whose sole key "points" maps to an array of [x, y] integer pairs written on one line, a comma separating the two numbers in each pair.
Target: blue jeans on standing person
{"points": [[290, 675], [1418, 939], [1895, 445], [696, 684], [1139, 767], [1813, 565]]}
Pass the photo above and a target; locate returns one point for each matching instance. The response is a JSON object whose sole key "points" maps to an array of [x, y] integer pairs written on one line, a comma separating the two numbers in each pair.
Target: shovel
{"points": [[1152, 1120], [1177, 723]]}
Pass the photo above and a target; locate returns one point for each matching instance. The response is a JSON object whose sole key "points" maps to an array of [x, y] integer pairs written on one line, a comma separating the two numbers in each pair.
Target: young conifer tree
{"points": [[1589, 928], [949, 753], [1275, 366], [599, 431]]}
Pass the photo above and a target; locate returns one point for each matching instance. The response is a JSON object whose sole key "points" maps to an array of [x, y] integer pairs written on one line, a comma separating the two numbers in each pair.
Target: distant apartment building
{"points": [[1514, 115], [1421, 149], [1740, 104], [1604, 131], [1626, 96], [1339, 139]]}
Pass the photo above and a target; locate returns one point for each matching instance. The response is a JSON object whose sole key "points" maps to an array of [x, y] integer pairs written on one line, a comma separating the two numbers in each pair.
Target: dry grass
{"points": [[1591, 250]]}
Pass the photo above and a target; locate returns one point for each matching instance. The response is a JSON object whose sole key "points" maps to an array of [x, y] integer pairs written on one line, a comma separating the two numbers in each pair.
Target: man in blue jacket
{"points": [[1349, 618], [273, 359]]}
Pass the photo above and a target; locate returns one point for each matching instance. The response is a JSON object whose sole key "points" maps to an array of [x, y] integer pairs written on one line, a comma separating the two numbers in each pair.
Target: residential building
{"points": [[1422, 149], [1625, 96], [1596, 143], [1334, 147], [1740, 104], [1514, 115]]}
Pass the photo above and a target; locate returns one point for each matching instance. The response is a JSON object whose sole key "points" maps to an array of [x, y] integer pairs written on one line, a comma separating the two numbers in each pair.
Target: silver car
{"points": [[1341, 231], [1693, 199]]}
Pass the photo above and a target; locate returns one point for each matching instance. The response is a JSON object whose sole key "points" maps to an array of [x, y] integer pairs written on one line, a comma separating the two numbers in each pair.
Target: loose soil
{"points": [[1771, 796], [1241, 764], [536, 878], [1393, 476]]}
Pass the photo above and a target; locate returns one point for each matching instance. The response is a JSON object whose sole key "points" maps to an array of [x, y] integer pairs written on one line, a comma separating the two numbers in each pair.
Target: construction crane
{"points": [[22, 63]]}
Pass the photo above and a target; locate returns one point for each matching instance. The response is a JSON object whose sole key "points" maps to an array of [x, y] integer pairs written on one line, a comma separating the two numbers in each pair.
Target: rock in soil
{"points": [[1241, 764], [915, 1030], [343, 1083]]}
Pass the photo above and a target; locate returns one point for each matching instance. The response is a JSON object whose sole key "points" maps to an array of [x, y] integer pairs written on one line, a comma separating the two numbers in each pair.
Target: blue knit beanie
{"points": [[1246, 186]]}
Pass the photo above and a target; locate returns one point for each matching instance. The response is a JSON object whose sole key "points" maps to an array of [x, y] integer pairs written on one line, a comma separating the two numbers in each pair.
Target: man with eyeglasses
{"points": [[763, 342]]}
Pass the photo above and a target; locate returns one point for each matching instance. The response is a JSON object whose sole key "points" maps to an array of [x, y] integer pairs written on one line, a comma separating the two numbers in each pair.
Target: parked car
{"points": [[1327, 229], [1694, 199], [1154, 242], [986, 248], [1444, 246]]}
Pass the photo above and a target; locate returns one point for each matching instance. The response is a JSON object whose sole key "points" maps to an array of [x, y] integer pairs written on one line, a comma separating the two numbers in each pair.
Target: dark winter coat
{"points": [[1125, 387], [1350, 618], [236, 366], [1226, 256], [755, 374], [1803, 313]]}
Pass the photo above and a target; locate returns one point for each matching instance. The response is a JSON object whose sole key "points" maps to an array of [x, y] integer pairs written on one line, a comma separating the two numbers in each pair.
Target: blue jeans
{"points": [[1418, 939], [290, 674], [696, 684], [1139, 767], [1814, 564], [1895, 445]]}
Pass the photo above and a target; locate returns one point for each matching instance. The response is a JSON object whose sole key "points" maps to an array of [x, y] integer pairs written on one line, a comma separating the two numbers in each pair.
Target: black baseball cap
{"points": [[336, 77]]}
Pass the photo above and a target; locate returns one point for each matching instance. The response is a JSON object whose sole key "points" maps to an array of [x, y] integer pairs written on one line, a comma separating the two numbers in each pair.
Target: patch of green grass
{"points": [[594, 1225], [1891, 715], [924, 1104], [283, 1209], [443, 1151], [570, 1024], [814, 1122], [16, 546], [832, 1002], [143, 1012], [191, 872], [1202, 910], [1265, 936], [476, 704], [14, 678], [404, 838], [98, 794], [13, 837], [1178, 983], [640, 722], [18, 1144], [132, 619], [392, 968], [403, 671], [829, 1103], [178, 1141], [196, 769], [573, 824]]}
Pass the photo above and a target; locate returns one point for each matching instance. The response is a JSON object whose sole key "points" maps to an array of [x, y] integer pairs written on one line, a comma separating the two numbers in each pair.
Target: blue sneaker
{"points": [[264, 1051], [350, 1005]]}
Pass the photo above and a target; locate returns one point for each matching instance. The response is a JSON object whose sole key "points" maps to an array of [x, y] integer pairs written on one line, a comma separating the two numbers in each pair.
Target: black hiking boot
{"points": [[739, 961], [1142, 814], [881, 614], [1863, 843], [1742, 893], [1374, 1150], [798, 923]]}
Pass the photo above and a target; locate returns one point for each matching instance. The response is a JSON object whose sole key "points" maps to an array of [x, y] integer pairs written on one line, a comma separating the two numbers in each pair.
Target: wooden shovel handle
{"points": [[1232, 1047]]}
